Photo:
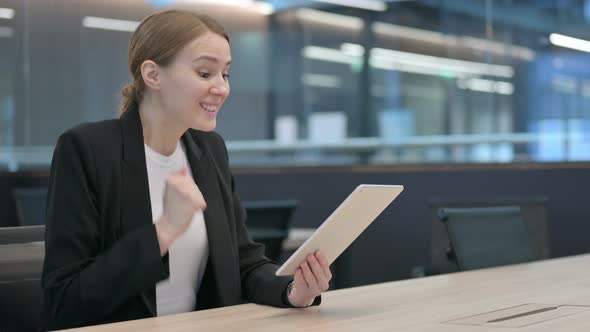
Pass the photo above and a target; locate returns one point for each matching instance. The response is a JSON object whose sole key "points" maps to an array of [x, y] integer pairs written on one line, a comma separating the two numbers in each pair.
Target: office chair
{"points": [[22, 252], [22, 234], [30, 205], [483, 237], [268, 223], [21, 296]]}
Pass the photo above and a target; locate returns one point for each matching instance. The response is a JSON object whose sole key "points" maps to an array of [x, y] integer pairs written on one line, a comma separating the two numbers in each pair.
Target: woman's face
{"points": [[195, 85]]}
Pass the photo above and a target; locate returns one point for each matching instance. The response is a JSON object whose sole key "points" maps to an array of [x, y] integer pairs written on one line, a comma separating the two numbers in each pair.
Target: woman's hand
{"points": [[182, 198], [312, 278]]}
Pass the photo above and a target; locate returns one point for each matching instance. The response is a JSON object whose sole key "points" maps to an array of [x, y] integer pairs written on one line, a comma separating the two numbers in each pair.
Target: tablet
{"points": [[344, 225]]}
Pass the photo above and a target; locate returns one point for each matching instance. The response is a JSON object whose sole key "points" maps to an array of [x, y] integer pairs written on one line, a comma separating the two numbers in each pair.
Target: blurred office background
{"points": [[467, 103], [316, 83]]}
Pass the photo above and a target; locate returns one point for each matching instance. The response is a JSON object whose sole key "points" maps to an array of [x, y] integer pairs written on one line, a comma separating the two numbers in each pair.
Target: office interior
{"points": [[479, 108]]}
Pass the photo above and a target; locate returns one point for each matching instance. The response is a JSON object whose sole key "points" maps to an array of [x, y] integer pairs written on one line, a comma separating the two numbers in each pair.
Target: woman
{"points": [[143, 218]]}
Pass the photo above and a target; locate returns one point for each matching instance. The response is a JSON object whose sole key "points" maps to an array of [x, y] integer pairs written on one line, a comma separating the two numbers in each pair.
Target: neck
{"points": [[160, 132]]}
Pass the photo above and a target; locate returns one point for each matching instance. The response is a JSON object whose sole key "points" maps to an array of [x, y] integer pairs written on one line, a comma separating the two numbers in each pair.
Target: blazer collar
{"points": [[135, 202], [133, 145], [223, 254]]}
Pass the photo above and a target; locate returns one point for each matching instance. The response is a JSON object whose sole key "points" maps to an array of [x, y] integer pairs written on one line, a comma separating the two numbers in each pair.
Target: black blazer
{"points": [[102, 254]]}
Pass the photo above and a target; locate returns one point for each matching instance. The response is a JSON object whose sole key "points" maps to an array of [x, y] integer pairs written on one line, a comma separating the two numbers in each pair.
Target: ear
{"points": [[150, 73]]}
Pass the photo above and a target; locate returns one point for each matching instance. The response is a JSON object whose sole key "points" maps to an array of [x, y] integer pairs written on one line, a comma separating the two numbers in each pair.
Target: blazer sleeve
{"points": [[259, 282], [81, 281]]}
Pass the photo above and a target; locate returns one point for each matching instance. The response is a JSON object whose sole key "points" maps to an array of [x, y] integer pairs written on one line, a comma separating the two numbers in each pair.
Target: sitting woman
{"points": [[143, 217]]}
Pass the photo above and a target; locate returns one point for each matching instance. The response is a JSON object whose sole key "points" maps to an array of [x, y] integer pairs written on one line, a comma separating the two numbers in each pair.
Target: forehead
{"points": [[209, 44]]}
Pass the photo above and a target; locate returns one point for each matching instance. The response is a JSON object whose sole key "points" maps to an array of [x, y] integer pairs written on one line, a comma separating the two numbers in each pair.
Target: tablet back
{"points": [[344, 225]]}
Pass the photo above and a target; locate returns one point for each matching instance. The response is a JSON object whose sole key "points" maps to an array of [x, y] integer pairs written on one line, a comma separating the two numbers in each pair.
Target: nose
{"points": [[220, 88]]}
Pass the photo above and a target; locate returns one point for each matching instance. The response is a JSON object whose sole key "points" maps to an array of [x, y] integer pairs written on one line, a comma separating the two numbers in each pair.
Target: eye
{"points": [[226, 77], [204, 74]]}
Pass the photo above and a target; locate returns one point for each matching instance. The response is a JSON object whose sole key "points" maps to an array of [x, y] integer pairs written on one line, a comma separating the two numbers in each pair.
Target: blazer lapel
{"points": [[222, 253], [136, 205]]}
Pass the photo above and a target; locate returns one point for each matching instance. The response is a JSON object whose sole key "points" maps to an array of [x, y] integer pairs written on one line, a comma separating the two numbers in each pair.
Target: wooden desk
{"points": [[426, 304]]}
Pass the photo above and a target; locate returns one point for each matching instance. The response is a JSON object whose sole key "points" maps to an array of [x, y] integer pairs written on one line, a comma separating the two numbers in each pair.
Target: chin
{"points": [[206, 127]]}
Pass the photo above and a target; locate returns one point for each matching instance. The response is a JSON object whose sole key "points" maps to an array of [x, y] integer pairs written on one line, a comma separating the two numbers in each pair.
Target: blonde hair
{"points": [[159, 37]]}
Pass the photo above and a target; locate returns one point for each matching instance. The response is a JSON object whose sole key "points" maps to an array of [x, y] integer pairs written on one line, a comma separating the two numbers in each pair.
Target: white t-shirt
{"points": [[189, 253]]}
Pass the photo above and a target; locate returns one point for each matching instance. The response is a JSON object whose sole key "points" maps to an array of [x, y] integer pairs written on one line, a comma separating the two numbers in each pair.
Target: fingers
{"points": [[181, 182], [200, 200], [195, 195], [181, 171], [318, 272], [299, 281], [310, 279], [324, 264], [178, 173]]}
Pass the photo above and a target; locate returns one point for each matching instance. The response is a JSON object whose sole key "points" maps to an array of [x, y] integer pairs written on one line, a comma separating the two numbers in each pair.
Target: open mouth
{"points": [[209, 107]]}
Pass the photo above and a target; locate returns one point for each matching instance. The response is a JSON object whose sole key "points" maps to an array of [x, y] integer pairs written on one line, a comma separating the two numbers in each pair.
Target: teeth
{"points": [[209, 108]]}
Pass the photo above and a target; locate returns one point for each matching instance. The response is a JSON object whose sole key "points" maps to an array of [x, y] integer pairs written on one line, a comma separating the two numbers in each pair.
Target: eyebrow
{"points": [[209, 58]]}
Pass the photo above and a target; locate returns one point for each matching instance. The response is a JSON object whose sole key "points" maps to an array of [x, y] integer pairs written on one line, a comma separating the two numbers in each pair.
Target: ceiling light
{"points": [[363, 4], [109, 24], [6, 13], [320, 17], [569, 42]]}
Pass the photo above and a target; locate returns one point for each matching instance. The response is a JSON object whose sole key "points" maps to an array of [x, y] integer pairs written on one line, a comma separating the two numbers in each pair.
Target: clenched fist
{"points": [[182, 198]]}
